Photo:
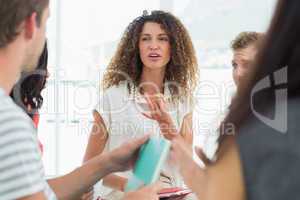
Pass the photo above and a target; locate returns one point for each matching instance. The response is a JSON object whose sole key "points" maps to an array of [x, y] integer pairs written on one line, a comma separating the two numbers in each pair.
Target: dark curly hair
{"points": [[27, 92], [182, 68]]}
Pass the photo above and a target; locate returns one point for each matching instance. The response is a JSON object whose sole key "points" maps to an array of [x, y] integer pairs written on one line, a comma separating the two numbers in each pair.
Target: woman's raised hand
{"points": [[158, 111]]}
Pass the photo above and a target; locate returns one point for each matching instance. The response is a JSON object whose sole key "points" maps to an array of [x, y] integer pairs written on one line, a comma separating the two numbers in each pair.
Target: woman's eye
{"points": [[145, 39], [164, 39]]}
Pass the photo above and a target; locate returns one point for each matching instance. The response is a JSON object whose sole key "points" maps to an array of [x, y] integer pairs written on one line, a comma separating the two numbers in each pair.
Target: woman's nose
{"points": [[154, 45]]}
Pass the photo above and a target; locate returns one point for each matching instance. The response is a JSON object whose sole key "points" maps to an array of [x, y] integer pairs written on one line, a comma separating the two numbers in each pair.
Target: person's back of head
{"points": [[22, 37], [13, 13]]}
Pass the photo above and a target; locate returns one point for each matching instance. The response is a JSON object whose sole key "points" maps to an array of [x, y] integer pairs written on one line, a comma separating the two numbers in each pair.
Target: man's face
{"points": [[35, 48], [242, 60]]}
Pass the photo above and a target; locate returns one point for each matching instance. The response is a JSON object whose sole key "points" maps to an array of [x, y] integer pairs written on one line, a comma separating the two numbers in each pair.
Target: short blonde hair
{"points": [[245, 39]]}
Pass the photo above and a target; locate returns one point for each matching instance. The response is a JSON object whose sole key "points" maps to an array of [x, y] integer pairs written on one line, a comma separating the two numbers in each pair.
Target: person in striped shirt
{"points": [[22, 38]]}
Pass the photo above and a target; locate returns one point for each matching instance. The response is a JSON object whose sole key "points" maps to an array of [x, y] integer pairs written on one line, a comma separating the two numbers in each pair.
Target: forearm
{"points": [[115, 182], [74, 184], [196, 179], [222, 179]]}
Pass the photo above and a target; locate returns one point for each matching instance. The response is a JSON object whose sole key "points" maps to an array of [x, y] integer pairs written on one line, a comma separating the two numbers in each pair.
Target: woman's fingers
{"points": [[168, 136], [151, 108], [150, 103], [148, 116], [162, 105], [154, 108]]}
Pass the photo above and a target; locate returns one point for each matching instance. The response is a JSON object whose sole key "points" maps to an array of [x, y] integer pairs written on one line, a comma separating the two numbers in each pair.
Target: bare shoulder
{"points": [[225, 175]]}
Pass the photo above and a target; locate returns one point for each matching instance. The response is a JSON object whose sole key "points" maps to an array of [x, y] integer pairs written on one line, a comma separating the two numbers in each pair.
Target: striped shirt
{"points": [[21, 168]]}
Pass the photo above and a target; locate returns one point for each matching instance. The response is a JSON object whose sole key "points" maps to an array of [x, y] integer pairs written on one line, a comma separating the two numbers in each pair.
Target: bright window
{"points": [[82, 38]]}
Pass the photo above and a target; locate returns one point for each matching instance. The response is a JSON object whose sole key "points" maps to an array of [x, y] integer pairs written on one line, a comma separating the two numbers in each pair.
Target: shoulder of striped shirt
{"points": [[13, 138], [12, 115]]}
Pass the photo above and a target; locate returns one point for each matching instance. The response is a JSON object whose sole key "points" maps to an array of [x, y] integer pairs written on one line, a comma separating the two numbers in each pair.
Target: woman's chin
{"points": [[155, 66]]}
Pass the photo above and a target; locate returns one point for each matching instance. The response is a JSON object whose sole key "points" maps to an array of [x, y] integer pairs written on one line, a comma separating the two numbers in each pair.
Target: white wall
{"points": [[83, 36]]}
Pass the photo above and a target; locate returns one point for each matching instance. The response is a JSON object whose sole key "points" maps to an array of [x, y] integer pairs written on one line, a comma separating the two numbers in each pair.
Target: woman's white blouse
{"points": [[123, 120]]}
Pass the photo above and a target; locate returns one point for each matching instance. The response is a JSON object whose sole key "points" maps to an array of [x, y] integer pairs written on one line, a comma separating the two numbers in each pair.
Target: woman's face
{"points": [[154, 46]]}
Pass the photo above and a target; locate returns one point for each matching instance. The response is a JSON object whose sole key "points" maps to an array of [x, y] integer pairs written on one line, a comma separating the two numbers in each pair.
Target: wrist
{"points": [[108, 162], [194, 172]]}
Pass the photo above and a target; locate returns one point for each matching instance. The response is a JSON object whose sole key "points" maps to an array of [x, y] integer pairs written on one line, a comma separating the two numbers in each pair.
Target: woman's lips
{"points": [[154, 56]]}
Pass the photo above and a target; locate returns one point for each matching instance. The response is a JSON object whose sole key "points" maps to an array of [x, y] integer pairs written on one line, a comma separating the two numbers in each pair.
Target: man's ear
{"points": [[30, 26]]}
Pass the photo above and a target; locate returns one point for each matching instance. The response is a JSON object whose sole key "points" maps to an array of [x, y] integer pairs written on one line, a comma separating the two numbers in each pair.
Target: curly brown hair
{"points": [[182, 68]]}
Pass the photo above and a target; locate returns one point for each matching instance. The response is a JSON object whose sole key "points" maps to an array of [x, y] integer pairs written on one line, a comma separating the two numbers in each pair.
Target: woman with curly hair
{"points": [[155, 65]]}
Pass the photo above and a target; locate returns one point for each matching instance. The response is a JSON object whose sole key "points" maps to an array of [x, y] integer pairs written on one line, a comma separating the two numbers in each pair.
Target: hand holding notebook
{"points": [[149, 164]]}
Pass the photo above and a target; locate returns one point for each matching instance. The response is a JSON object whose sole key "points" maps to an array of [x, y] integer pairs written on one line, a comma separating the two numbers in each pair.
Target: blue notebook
{"points": [[147, 169]]}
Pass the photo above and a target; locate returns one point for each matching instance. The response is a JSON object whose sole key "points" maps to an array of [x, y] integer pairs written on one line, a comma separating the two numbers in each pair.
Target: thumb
{"points": [[136, 143], [199, 152], [96, 115], [156, 187]]}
